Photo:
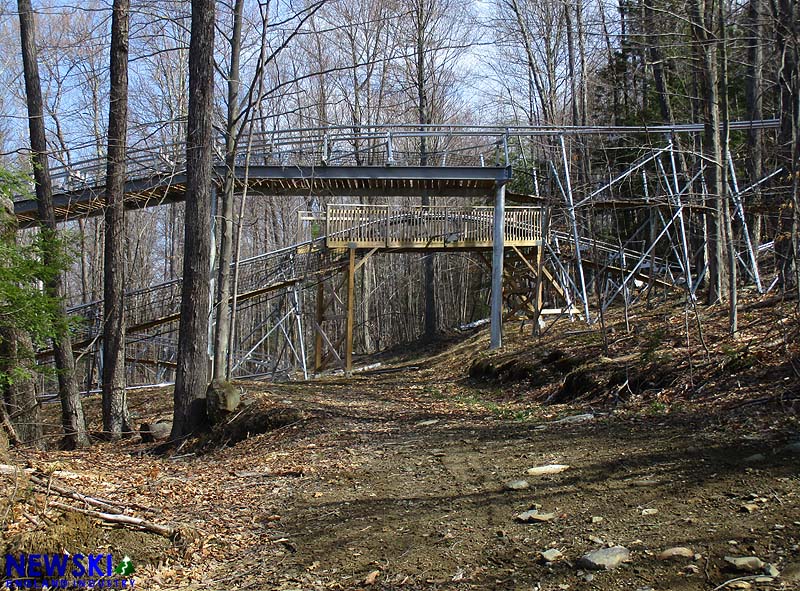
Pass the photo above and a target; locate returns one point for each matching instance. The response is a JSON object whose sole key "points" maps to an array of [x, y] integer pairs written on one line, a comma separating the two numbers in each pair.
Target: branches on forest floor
{"points": [[105, 510]]}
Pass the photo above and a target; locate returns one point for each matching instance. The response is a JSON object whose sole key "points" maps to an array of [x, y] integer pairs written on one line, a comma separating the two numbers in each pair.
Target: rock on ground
{"points": [[747, 564], [158, 431], [549, 469], [517, 485], [676, 552], [605, 558]]}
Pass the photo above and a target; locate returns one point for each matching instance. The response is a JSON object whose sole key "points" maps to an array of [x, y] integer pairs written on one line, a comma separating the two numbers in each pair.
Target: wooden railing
{"points": [[418, 226]]}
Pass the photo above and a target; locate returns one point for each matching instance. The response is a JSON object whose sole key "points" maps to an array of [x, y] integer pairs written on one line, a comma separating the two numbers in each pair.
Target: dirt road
{"points": [[406, 480]]}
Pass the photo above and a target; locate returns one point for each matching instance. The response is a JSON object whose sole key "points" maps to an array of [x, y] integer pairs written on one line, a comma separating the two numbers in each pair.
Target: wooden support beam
{"points": [[351, 293], [366, 257], [538, 301]]}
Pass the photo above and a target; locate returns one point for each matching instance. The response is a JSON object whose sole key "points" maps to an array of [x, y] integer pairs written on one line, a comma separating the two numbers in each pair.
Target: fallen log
{"points": [[104, 505], [156, 528]]}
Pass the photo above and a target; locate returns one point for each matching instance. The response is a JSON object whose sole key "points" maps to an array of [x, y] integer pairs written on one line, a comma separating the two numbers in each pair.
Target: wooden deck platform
{"points": [[422, 227]]}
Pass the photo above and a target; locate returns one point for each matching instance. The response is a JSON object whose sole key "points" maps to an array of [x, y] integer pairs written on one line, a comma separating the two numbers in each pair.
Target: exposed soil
{"points": [[396, 479]]}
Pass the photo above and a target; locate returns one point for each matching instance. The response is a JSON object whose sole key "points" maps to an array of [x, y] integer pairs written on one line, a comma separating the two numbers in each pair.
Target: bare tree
{"points": [[115, 408], [191, 378], [223, 325], [72, 418]]}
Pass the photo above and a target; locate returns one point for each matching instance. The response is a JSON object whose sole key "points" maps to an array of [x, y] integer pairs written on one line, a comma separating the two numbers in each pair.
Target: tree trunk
{"points": [[533, 69], [115, 407], [753, 103], [571, 63], [429, 289], [191, 379], [789, 81], [706, 43], [72, 418], [733, 295], [223, 327]]}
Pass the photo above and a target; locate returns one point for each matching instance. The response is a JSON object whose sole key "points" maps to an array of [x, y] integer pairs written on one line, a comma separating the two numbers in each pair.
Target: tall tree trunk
{"points": [[656, 57], [706, 45], [191, 379], [787, 39], [429, 289], [582, 54], [733, 296], [753, 103], [115, 407], [223, 327], [533, 68], [573, 98], [72, 418]]}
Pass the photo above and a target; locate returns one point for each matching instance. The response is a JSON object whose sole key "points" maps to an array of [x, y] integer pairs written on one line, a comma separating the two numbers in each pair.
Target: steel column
{"points": [[498, 246]]}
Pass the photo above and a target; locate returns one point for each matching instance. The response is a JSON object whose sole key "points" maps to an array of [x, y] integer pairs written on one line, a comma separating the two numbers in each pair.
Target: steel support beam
{"points": [[497, 267]]}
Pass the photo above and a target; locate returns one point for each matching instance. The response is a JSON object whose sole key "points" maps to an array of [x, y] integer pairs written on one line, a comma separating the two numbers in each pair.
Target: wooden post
{"points": [[498, 246], [545, 220], [320, 317], [351, 293]]}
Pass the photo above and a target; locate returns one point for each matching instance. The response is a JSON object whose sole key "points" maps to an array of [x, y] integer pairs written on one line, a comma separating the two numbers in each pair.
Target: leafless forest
{"points": [[359, 66]]}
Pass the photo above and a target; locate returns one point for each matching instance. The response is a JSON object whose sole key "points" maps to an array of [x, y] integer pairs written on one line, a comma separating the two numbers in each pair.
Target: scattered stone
{"points": [[605, 558], [428, 423], [575, 419], [549, 469], [517, 485], [372, 577], [747, 564], [754, 459], [644, 482], [597, 519], [533, 516], [526, 516], [649, 511], [588, 577], [596, 540], [158, 431], [692, 568], [749, 508], [543, 517], [222, 400], [551, 555], [771, 570], [739, 585], [676, 552]]}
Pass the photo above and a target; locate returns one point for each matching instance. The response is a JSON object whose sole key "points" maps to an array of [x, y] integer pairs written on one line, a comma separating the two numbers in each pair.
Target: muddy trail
{"points": [[416, 476]]}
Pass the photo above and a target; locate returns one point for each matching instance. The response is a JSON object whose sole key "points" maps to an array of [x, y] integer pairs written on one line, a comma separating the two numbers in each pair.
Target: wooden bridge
{"points": [[430, 227], [393, 161]]}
